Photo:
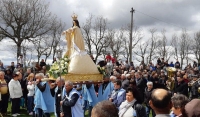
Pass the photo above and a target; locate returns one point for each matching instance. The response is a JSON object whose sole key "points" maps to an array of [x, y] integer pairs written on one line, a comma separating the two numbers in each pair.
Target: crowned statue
{"points": [[81, 66]]}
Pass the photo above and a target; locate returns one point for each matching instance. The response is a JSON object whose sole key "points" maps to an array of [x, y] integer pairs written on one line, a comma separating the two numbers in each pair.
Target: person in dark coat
{"points": [[147, 97], [56, 89], [194, 89], [12, 66], [181, 87], [42, 63], [140, 84], [8, 74], [125, 81]]}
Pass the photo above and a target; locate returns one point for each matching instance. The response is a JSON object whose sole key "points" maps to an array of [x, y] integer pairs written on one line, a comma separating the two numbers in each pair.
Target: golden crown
{"points": [[74, 16]]}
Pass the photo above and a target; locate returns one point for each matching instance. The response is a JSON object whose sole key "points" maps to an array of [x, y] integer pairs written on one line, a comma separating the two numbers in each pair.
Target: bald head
{"points": [[104, 109], [160, 93], [160, 98]]}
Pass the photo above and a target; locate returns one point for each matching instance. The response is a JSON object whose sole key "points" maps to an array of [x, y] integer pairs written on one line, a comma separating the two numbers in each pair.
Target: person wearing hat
{"points": [[194, 89], [15, 91]]}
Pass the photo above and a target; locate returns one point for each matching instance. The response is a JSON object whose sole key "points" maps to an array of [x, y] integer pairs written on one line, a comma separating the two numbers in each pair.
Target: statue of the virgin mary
{"points": [[80, 61]]}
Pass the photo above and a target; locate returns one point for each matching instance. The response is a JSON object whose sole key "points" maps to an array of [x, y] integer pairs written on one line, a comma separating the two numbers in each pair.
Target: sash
{"points": [[77, 52], [44, 100], [90, 95], [106, 93]]}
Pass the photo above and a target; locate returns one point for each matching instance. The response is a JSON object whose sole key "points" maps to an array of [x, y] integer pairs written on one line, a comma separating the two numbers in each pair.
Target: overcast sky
{"points": [[171, 15], [175, 14]]}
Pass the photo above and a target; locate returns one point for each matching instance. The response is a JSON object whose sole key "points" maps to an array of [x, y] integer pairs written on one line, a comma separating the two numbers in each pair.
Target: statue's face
{"points": [[74, 23]]}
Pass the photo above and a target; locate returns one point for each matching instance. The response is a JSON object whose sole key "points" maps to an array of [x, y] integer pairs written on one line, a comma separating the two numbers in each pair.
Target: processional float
{"points": [[76, 65]]}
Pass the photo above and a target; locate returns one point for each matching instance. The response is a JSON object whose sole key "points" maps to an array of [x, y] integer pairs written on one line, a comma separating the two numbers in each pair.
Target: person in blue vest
{"points": [[44, 101], [118, 94], [71, 102], [89, 97], [105, 88]]}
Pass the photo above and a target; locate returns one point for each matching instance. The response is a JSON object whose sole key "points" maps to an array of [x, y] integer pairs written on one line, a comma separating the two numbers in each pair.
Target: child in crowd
{"points": [[31, 92]]}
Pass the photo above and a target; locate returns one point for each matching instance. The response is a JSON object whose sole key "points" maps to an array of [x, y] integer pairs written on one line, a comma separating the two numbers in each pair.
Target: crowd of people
{"points": [[127, 91]]}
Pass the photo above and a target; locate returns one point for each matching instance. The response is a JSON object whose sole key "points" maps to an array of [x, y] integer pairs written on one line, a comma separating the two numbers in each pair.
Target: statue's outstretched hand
{"points": [[63, 33]]}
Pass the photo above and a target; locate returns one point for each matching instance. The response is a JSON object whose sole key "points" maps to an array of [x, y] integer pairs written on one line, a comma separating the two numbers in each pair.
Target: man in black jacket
{"points": [[56, 89], [140, 84], [71, 104], [181, 86], [147, 97]]}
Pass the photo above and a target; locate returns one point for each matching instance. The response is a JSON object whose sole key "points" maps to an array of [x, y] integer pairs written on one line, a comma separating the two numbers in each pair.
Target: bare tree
{"points": [[24, 20], [163, 49], [29, 55], [152, 45], [174, 44], [126, 48], [184, 44], [196, 47], [99, 40], [87, 30], [142, 50], [56, 41], [116, 41], [48, 44], [94, 32], [27, 48], [136, 37], [40, 46]]}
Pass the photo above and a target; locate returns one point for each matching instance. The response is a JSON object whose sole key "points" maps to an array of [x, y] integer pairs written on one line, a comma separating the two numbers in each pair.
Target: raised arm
{"points": [[70, 30]]}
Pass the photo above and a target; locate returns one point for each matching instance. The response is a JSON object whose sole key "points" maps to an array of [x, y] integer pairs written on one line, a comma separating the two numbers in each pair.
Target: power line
{"points": [[159, 19]]}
